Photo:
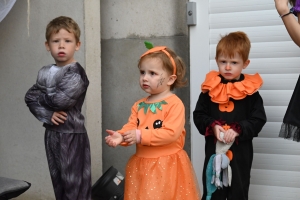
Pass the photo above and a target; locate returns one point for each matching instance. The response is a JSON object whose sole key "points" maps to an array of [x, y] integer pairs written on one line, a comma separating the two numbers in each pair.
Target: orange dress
{"points": [[160, 169]]}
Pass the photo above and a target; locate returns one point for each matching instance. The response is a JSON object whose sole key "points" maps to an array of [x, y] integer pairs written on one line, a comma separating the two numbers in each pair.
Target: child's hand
{"points": [[217, 129], [113, 139], [59, 117], [230, 136], [130, 137], [282, 6]]}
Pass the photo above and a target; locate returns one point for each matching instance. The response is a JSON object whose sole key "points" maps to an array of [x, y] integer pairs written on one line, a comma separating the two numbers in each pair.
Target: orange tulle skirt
{"points": [[169, 177]]}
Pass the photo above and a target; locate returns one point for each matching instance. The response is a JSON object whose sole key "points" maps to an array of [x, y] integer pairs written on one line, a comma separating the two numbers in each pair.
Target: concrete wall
{"points": [[22, 54], [125, 25]]}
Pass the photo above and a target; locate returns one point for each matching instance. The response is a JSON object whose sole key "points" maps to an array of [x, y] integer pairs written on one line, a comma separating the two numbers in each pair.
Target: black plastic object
{"points": [[11, 188], [110, 186]]}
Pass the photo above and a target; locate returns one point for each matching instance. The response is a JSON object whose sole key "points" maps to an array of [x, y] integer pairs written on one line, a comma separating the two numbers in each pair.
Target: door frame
{"points": [[199, 67]]}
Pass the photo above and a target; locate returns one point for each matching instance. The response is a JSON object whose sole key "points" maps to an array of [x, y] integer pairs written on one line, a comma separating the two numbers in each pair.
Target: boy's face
{"points": [[62, 46], [231, 68]]}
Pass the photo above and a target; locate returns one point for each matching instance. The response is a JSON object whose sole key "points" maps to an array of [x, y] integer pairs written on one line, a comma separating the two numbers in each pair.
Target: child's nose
{"points": [[227, 66], [145, 78], [61, 44]]}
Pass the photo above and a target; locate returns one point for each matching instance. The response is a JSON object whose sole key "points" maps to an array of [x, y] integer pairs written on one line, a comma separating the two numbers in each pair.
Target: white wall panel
{"points": [[276, 146], [256, 34], [275, 113], [276, 162], [279, 82], [270, 130], [278, 98], [262, 192], [217, 6], [244, 19], [275, 178]]}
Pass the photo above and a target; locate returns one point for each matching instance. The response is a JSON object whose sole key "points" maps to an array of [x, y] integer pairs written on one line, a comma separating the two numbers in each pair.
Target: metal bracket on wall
{"points": [[191, 13]]}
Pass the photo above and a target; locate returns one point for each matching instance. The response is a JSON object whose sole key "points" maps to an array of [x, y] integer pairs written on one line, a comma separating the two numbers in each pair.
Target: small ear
{"points": [[246, 63], [78, 46], [172, 79], [47, 46]]}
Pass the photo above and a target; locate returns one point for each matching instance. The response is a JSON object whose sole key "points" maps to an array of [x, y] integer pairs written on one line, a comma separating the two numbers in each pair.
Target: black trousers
{"points": [[69, 162]]}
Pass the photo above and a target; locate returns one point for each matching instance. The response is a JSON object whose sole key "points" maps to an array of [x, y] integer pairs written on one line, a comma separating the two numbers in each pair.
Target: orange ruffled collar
{"points": [[221, 92]]}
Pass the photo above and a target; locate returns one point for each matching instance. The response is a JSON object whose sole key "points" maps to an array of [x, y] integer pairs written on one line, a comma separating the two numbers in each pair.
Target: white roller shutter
{"points": [[275, 173]]}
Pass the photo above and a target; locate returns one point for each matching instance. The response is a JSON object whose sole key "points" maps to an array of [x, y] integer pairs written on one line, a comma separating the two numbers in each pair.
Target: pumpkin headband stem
{"points": [[163, 49]]}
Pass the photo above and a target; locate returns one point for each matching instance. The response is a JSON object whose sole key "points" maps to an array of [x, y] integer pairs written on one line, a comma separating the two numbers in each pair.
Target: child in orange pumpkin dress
{"points": [[230, 99], [160, 169]]}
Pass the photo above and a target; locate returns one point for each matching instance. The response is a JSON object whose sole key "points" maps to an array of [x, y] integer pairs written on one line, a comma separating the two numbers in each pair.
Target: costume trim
{"points": [[152, 106], [290, 132], [163, 49], [222, 92]]}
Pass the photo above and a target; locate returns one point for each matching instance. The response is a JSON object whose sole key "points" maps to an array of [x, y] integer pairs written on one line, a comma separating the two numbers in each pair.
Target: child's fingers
{"points": [[230, 136], [62, 116], [127, 134], [54, 122], [107, 139], [128, 139], [110, 132], [59, 120], [130, 143], [63, 113]]}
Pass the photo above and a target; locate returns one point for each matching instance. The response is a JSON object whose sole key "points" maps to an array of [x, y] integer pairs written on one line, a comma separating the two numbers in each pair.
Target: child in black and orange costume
{"points": [[231, 98]]}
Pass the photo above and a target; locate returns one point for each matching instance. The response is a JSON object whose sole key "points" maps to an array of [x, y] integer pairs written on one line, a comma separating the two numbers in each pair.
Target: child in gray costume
{"points": [[56, 100]]}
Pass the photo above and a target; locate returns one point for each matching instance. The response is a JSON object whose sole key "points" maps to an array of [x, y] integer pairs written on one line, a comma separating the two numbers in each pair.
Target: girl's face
{"points": [[231, 67], [154, 79]]}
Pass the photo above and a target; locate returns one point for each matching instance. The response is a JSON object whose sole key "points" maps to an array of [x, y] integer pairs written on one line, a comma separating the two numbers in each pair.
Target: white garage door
{"points": [[276, 166]]}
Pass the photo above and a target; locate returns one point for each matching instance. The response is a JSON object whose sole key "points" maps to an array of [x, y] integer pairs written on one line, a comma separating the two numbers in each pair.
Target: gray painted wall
{"points": [[125, 25]]}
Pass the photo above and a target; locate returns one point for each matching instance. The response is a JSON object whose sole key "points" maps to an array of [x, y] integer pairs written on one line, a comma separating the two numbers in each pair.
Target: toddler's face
{"points": [[231, 67], [153, 78], [62, 46]]}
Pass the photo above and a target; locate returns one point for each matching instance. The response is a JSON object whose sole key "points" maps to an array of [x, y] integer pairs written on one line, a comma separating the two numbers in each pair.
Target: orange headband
{"points": [[163, 49]]}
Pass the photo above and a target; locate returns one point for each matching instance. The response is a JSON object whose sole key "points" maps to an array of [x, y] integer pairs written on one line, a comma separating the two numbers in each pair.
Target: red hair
{"points": [[235, 42]]}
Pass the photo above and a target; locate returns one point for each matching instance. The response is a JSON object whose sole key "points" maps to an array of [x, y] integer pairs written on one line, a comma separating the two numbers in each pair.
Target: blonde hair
{"points": [[180, 81], [63, 22], [235, 42]]}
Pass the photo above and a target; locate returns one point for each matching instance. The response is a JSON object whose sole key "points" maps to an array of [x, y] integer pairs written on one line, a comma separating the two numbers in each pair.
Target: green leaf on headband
{"points": [[148, 45]]}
